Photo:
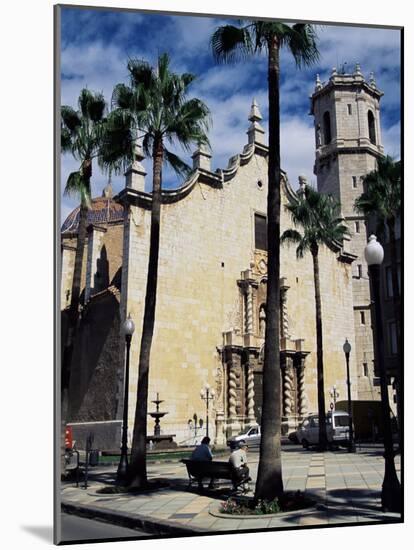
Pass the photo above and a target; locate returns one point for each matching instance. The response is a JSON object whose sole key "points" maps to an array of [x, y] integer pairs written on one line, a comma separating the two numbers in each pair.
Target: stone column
{"points": [[284, 325], [232, 398], [302, 401], [249, 309], [250, 394], [68, 262], [220, 437], [233, 424], [95, 237], [287, 381]]}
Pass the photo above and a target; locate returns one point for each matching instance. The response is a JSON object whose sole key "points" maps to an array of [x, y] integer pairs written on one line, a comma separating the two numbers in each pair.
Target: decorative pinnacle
{"points": [[201, 157], [255, 114], [138, 152], [202, 148], [357, 69], [107, 190], [318, 83], [334, 72], [303, 182], [372, 82]]}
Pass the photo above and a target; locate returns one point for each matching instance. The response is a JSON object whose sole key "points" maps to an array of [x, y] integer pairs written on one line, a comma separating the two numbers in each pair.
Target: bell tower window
{"points": [[371, 128], [327, 127]]}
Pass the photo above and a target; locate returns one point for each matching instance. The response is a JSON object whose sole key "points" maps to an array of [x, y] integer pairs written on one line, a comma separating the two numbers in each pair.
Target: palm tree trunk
{"points": [[138, 465], [397, 314], [319, 351], [269, 484]]}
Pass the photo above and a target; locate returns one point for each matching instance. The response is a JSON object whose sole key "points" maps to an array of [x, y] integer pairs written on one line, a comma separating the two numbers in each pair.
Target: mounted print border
{"points": [[229, 237]]}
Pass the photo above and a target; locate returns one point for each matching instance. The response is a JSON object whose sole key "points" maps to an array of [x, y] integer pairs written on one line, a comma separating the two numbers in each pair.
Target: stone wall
{"points": [[94, 384], [102, 261], [207, 240]]}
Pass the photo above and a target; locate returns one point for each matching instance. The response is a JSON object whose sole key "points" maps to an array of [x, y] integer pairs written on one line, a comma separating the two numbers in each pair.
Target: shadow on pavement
{"points": [[358, 498]]}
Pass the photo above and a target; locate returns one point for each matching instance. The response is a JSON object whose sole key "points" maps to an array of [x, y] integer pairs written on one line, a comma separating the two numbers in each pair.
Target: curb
{"points": [[132, 521]]}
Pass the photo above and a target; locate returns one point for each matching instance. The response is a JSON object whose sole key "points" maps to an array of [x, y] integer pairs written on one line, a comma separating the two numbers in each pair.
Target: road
{"points": [[77, 528]]}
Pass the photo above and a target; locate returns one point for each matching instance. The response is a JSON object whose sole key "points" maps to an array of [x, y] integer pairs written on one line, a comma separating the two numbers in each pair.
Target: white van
{"points": [[337, 429]]}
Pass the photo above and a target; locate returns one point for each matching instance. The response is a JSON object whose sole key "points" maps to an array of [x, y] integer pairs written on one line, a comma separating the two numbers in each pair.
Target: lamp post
{"points": [[207, 394], [391, 488], [122, 473], [334, 393], [347, 351]]}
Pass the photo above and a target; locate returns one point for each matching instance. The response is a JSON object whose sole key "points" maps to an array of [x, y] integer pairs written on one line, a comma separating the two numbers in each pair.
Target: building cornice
{"points": [[212, 179]]}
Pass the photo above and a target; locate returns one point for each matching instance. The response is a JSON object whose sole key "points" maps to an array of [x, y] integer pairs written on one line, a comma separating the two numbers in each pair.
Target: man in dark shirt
{"points": [[203, 453]]}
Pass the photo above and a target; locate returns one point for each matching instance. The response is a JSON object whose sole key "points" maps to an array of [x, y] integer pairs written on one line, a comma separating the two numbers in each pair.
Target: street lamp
{"points": [[334, 393], [122, 473], [347, 351], [391, 488], [207, 394]]}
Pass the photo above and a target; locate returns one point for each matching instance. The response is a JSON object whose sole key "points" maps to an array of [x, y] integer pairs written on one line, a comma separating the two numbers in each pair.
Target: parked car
{"points": [[251, 437], [337, 429]]}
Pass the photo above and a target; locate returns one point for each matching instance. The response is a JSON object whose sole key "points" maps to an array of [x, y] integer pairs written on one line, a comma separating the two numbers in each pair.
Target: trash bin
{"points": [[94, 458]]}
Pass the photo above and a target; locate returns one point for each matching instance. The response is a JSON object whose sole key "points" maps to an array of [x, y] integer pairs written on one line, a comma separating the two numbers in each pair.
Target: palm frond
{"points": [[147, 144], [382, 191], [180, 167], [141, 73], [92, 105], [77, 186], [116, 141], [122, 97], [65, 140], [190, 124], [319, 216], [230, 43], [302, 42], [70, 118]]}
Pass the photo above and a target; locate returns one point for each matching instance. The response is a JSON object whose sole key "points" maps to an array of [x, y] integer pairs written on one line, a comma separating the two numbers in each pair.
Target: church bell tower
{"points": [[348, 142]]}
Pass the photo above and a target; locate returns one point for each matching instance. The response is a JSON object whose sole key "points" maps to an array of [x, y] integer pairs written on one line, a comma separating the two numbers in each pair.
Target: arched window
{"points": [[327, 128], [371, 128]]}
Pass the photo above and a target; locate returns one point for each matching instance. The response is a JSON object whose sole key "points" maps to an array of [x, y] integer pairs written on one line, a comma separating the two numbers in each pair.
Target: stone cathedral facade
{"points": [[210, 315]]}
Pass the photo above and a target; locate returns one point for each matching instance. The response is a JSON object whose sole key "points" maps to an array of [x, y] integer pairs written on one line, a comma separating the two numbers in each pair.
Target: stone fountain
{"points": [[160, 441]]}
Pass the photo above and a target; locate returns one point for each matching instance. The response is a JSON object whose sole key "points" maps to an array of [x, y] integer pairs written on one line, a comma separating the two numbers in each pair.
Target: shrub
{"points": [[232, 507]]}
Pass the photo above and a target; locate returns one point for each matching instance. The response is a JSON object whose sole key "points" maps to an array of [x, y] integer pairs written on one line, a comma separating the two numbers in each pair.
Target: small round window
{"points": [[260, 184]]}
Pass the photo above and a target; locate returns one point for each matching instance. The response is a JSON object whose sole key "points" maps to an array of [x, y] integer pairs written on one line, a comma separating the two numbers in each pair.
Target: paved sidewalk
{"points": [[346, 487]]}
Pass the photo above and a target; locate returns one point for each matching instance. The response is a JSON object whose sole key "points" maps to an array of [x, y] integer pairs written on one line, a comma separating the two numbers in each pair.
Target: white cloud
{"points": [[391, 140], [297, 149]]}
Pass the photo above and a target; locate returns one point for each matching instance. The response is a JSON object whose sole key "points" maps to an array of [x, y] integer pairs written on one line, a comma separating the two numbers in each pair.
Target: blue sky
{"points": [[96, 45]]}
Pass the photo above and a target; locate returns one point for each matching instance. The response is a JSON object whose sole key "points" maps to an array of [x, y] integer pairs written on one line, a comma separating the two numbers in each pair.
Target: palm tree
{"points": [[382, 201], [155, 105], [319, 216], [230, 43], [81, 135]]}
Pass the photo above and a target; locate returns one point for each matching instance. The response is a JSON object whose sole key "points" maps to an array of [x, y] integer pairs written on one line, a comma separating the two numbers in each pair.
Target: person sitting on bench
{"points": [[203, 453], [238, 461]]}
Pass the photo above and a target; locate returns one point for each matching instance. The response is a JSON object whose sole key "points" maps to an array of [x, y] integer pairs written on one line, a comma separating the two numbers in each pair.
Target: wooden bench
{"points": [[212, 469]]}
